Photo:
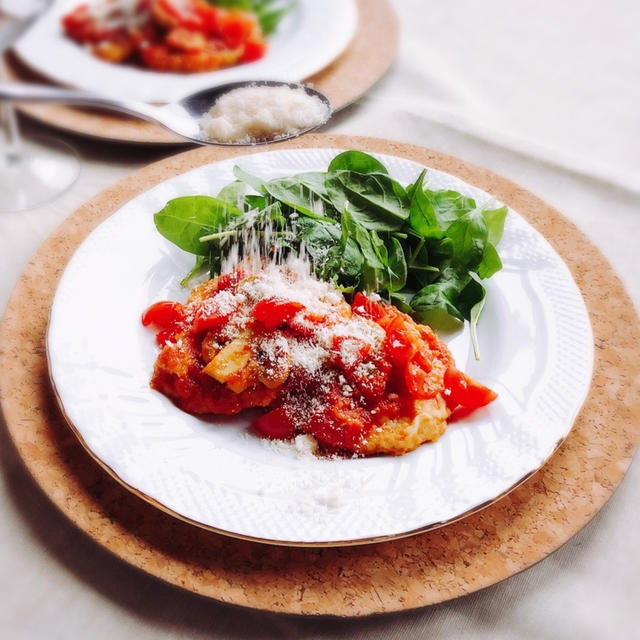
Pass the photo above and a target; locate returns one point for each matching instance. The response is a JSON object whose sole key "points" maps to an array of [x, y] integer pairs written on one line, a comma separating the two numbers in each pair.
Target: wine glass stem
{"points": [[12, 134], [10, 127]]}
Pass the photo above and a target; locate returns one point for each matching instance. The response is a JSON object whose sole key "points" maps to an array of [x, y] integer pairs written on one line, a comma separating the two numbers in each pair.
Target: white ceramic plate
{"points": [[537, 353], [307, 40]]}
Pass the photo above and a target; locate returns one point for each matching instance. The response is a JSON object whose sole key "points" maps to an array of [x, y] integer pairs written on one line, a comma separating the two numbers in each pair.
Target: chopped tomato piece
{"points": [[186, 40], [423, 358], [229, 280], [236, 28], [351, 421], [419, 383], [276, 425], [350, 351], [190, 15], [392, 406], [163, 314], [370, 380], [116, 49], [253, 50], [366, 307], [166, 335], [167, 317], [274, 312], [207, 319], [402, 341], [461, 390], [306, 324], [339, 424], [437, 348], [210, 17], [81, 26]]}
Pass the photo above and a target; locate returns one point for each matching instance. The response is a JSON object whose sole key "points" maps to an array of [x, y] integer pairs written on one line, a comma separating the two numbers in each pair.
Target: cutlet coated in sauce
{"points": [[360, 378]]}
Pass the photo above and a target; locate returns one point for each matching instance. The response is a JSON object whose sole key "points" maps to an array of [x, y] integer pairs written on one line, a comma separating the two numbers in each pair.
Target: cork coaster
{"points": [[480, 550], [355, 71]]}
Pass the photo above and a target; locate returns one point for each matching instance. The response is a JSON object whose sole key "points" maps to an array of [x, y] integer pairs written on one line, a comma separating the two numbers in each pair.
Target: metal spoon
{"points": [[181, 118]]}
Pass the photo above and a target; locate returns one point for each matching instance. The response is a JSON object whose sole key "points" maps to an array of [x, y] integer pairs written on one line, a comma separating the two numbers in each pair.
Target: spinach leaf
{"points": [[397, 266], [252, 202], [269, 20], [298, 196], [470, 295], [471, 302], [380, 248], [314, 180], [468, 235], [494, 219], [422, 216], [490, 263], [421, 268], [352, 259], [421, 275], [402, 300], [198, 267], [185, 220], [376, 200], [336, 192], [363, 238], [449, 205], [352, 262], [234, 193], [443, 293], [474, 316], [356, 161], [319, 237], [333, 252], [246, 177]]}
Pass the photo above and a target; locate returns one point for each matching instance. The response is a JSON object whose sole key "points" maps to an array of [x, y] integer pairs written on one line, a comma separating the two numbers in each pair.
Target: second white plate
{"points": [[307, 40], [537, 353]]}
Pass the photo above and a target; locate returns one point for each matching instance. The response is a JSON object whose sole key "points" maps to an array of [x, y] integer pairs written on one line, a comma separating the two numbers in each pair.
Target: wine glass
{"points": [[29, 176]]}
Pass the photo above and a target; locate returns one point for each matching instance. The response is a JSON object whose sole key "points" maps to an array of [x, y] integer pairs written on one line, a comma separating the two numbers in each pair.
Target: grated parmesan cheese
{"points": [[308, 356], [293, 282], [254, 113], [223, 303], [119, 14]]}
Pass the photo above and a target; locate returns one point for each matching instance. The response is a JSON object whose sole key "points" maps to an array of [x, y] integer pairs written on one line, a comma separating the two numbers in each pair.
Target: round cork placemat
{"points": [[353, 73], [478, 551]]}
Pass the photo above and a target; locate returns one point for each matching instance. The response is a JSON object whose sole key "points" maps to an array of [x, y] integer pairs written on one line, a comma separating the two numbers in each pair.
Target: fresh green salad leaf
{"points": [[356, 161], [377, 200], [244, 176], [234, 193], [298, 196], [422, 214], [468, 235], [184, 220], [426, 251], [494, 219], [397, 266], [449, 206]]}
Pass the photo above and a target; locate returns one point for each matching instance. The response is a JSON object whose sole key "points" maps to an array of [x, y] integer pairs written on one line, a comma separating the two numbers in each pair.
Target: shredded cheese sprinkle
{"points": [[250, 114]]}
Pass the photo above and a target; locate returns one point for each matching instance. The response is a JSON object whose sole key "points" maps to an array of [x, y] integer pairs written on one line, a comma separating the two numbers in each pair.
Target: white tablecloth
{"points": [[543, 92]]}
